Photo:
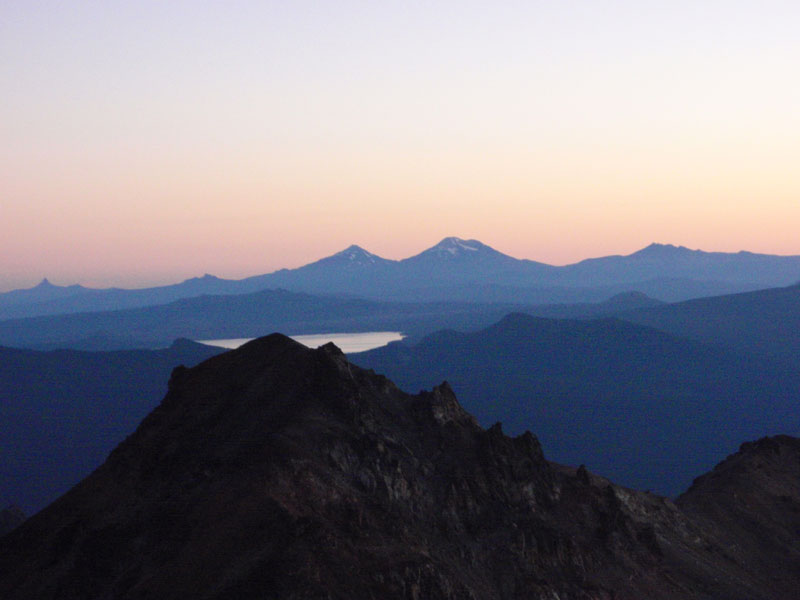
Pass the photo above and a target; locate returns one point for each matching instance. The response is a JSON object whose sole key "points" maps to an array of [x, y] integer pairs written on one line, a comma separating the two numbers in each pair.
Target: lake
{"points": [[347, 342]]}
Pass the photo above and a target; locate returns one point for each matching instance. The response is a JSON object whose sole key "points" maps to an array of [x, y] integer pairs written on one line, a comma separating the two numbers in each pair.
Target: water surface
{"points": [[347, 342]]}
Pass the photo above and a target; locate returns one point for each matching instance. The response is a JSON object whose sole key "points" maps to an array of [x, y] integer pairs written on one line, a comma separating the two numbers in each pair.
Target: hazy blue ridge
{"points": [[764, 322], [244, 315], [452, 270], [62, 412], [640, 406]]}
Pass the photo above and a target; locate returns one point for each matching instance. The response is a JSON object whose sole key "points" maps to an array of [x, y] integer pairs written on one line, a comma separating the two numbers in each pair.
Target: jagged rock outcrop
{"points": [[275, 471], [747, 509]]}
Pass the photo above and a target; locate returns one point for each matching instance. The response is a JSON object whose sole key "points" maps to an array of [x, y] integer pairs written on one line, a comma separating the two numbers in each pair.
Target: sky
{"points": [[142, 143]]}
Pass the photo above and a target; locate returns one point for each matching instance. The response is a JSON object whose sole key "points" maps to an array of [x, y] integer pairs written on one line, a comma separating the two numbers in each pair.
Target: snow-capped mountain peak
{"points": [[357, 255], [455, 248], [454, 245]]}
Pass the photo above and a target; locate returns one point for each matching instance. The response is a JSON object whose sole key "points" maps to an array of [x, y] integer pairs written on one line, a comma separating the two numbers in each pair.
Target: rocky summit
{"points": [[275, 471]]}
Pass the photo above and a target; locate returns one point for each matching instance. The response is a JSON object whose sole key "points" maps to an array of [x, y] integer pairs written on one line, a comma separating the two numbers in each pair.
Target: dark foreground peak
{"points": [[277, 471], [10, 517], [751, 501]]}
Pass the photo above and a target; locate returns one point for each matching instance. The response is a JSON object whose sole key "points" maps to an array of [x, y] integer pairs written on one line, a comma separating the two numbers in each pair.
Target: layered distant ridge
{"points": [[453, 269]]}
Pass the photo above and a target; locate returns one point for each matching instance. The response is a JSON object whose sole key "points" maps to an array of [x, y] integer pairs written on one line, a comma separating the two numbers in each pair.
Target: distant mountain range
{"points": [[643, 407], [276, 471], [242, 315], [763, 322], [452, 270]]}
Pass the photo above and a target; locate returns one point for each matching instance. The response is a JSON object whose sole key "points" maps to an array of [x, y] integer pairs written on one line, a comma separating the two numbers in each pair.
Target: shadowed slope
{"points": [[748, 506], [62, 412], [10, 517], [276, 471], [764, 322]]}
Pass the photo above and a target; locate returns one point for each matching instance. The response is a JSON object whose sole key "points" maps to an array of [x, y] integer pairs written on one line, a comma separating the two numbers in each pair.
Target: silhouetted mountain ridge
{"points": [[749, 503], [663, 250], [454, 269], [638, 405], [762, 322], [278, 471]]}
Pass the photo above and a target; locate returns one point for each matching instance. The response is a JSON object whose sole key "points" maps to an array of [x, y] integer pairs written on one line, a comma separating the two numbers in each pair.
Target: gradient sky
{"points": [[145, 142]]}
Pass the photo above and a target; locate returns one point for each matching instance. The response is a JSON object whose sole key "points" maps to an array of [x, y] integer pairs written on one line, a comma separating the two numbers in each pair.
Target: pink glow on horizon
{"points": [[146, 143]]}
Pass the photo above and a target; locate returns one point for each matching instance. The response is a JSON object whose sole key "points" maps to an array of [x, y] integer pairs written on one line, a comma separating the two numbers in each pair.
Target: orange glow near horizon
{"points": [[265, 137]]}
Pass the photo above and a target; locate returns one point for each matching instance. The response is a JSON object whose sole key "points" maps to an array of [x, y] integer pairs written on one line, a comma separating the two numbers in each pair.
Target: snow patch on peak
{"points": [[457, 250], [357, 254], [454, 244]]}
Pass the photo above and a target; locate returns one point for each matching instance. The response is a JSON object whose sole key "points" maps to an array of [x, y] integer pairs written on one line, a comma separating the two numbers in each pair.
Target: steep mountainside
{"points": [[10, 517], [274, 471], [747, 507], [640, 406], [62, 412]]}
